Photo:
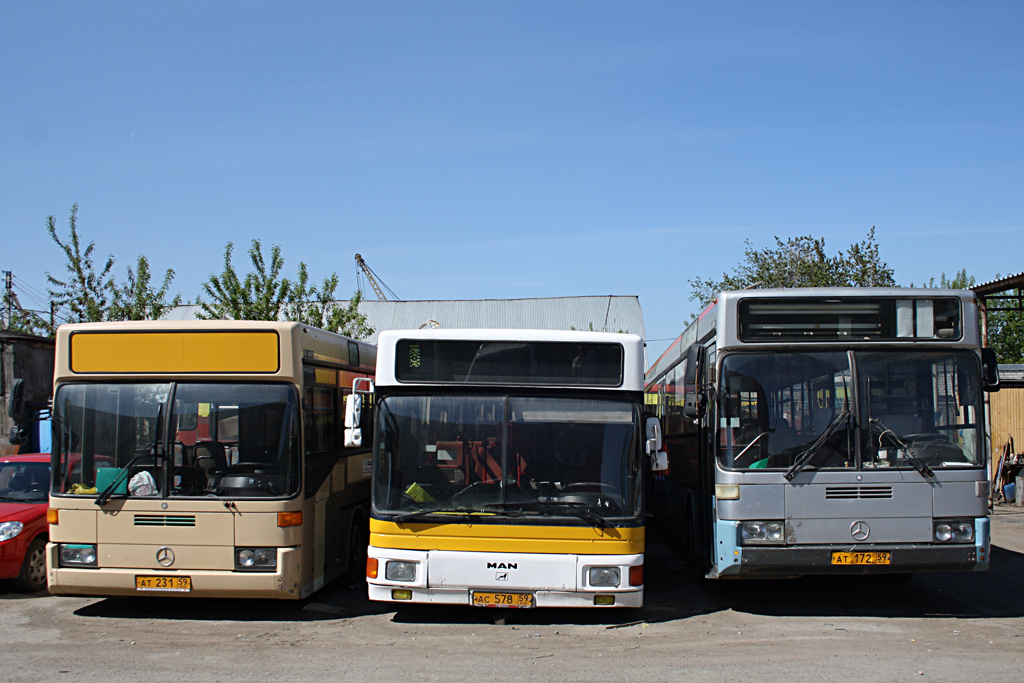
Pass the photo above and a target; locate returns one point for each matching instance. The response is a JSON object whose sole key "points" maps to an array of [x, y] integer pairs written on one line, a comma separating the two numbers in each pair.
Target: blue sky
{"points": [[497, 149]]}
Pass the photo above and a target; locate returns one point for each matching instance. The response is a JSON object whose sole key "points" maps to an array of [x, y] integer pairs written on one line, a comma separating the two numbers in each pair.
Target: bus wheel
{"points": [[357, 540], [33, 570]]}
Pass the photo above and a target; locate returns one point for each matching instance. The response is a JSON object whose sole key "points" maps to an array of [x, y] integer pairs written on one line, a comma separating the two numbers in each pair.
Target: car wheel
{"points": [[33, 570]]}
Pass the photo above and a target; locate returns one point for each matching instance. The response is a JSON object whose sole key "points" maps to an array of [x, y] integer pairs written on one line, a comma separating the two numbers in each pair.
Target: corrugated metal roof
{"points": [[598, 313], [1011, 373], [606, 313], [1000, 285]]}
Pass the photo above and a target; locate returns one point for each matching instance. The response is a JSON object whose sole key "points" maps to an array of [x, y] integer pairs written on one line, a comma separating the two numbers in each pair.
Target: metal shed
{"points": [[604, 313]]}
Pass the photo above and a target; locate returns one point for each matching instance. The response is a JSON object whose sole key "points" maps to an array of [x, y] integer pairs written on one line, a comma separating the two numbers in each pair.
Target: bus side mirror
{"points": [[653, 434], [354, 411], [659, 461], [353, 420], [658, 458], [989, 370], [16, 402], [693, 376]]}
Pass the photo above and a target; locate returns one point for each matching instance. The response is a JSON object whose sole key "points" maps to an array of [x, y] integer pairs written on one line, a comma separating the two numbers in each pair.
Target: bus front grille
{"points": [[165, 520], [858, 492]]}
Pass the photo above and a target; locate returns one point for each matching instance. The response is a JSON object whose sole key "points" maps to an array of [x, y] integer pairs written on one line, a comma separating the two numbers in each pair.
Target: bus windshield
{"points": [[924, 403], [572, 458], [177, 439], [805, 411]]}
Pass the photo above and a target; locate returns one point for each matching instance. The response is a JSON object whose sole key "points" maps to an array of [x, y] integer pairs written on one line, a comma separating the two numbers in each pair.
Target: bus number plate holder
{"points": [[512, 600], [177, 584], [871, 557]]}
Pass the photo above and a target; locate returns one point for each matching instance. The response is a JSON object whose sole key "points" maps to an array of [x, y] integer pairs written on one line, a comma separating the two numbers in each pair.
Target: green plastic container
{"points": [[105, 475]]}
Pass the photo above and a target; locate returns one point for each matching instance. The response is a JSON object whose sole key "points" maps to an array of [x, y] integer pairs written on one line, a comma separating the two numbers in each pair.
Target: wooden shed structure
{"points": [[1006, 407]]}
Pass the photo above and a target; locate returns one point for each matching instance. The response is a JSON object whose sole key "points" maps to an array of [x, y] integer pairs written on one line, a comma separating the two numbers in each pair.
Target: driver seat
{"points": [[210, 456]]}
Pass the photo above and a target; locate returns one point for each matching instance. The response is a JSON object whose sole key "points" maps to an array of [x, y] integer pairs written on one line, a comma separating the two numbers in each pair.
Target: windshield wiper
{"points": [[581, 510], [804, 459], [577, 508], [908, 454], [415, 514], [150, 452], [512, 508]]}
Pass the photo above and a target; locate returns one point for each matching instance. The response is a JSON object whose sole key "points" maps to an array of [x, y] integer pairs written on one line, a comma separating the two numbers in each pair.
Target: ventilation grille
{"points": [[858, 492], [165, 520]]}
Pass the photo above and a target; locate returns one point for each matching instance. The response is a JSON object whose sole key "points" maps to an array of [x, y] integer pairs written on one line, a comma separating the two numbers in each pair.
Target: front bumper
{"points": [[119, 581], [801, 560], [553, 579], [543, 598], [733, 560]]}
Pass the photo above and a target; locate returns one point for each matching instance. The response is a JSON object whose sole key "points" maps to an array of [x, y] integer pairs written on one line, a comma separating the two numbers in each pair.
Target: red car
{"points": [[24, 495]]}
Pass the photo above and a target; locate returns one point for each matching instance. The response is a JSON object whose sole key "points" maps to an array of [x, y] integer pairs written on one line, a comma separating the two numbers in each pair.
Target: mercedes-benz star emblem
{"points": [[165, 556], [860, 531]]}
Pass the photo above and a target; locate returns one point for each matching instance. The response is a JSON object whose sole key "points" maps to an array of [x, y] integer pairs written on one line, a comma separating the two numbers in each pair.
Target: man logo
{"points": [[502, 565], [501, 576]]}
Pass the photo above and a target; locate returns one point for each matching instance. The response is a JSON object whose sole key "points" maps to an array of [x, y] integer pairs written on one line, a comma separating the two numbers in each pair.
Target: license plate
{"points": [[502, 599], [873, 557], [179, 584]]}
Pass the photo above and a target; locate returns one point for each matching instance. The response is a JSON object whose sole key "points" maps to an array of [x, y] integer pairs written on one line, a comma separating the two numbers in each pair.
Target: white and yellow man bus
{"points": [[827, 431], [204, 458], [508, 468]]}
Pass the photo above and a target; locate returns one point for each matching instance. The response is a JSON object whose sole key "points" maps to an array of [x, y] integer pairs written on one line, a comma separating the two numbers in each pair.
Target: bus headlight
{"points": [[255, 559], [397, 570], [763, 533], [77, 555], [9, 530], [953, 531], [604, 577]]}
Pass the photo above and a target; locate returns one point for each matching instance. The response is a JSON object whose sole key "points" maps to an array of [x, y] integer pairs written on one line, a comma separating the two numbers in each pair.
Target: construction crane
{"points": [[373, 280]]}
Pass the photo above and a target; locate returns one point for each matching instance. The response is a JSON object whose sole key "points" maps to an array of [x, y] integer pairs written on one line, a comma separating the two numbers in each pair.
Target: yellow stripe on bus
{"points": [[505, 538], [166, 352]]}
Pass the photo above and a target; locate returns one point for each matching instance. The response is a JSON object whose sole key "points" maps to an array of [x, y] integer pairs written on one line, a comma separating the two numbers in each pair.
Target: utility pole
{"points": [[8, 299]]}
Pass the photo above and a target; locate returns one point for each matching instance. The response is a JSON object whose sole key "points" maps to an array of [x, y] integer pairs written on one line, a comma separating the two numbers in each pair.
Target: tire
{"points": [[32, 578], [357, 542]]}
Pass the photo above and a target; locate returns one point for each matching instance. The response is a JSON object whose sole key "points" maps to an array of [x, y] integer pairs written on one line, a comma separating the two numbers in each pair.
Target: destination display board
{"points": [[546, 363], [814, 319]]}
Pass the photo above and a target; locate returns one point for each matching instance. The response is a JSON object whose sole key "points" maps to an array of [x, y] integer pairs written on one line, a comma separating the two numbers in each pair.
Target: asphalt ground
{"points": [[948, 627]]}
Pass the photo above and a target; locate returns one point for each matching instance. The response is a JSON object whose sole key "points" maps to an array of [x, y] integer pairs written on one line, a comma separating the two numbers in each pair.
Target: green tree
{"points": [[1006, 329], [21, 320], [959, 281], [1005, 326], [264, 295], [85, 295], [317, 307], [259, 296], [800, 262], [137, 300]]}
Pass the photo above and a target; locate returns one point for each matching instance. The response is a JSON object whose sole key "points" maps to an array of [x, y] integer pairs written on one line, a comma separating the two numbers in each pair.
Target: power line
{"points": [[39, 298]]}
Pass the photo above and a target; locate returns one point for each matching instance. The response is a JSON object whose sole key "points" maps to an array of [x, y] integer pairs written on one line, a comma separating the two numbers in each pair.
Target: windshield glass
{"points": [[525, 456], [224, 440], [926, 403], [799, 411], [774, 407], [24, 482]]}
